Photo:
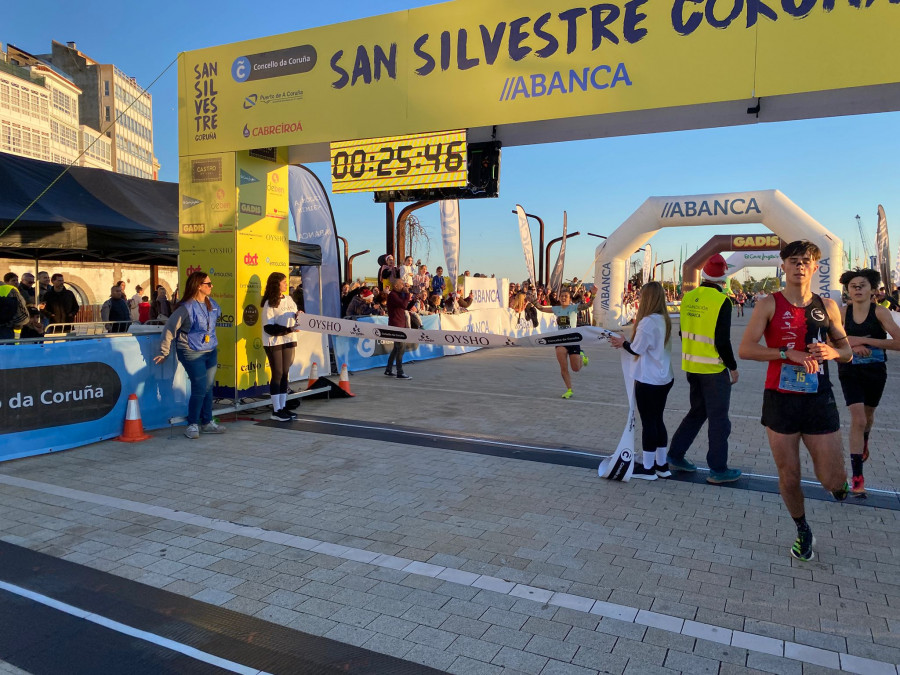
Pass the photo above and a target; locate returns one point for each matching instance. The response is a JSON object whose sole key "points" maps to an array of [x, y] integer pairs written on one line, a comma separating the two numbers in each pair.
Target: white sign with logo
{"points": [[486, 293]]}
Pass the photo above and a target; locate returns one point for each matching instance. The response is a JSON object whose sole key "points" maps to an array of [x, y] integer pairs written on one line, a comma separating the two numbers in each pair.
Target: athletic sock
{"points": [[274, 399], [661, 454], [802, 525], [856, 462], [649, 458]]}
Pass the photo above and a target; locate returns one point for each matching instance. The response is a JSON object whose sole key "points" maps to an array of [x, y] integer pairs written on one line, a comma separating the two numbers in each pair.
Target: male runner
{"points": [[862, 381], [798, 401]]}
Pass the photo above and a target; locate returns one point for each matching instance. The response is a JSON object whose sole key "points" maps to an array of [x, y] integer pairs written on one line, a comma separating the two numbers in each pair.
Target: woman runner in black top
{"points": [[862, 380]]}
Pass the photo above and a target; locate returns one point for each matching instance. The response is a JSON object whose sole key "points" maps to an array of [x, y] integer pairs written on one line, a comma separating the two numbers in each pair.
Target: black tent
{"points": [[94, 215]]}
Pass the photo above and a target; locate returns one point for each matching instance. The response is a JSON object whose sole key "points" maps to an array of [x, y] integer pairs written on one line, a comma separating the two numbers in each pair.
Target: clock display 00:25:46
{"points": [[406, 159]]}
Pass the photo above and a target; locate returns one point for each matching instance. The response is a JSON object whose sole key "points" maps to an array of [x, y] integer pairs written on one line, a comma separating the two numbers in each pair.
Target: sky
{"points": [[833, 168]]}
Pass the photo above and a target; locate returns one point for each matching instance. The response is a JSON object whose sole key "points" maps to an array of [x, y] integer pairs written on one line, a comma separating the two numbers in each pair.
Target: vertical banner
{"points": [[206, 241], [556, 278], [897, 269], [450, 237], [883, 247], [261, 248], [648, 263], [314, 224], [525, 234], [620, 464]]}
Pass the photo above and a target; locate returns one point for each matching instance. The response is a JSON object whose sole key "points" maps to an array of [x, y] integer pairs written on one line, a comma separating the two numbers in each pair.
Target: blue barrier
{"points": [[57, 396]]}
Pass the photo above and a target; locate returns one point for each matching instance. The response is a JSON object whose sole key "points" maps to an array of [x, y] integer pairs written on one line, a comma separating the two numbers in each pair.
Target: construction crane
{"points": [[866, 244]]}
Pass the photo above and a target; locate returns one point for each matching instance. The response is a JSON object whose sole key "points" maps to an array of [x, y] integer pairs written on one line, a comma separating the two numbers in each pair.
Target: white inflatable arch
{"points": [[769, 207], [738, 261]]}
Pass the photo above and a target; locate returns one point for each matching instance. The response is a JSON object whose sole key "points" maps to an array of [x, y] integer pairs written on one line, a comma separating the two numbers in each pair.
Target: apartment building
{"points": [[38, 111], [59, 105]]}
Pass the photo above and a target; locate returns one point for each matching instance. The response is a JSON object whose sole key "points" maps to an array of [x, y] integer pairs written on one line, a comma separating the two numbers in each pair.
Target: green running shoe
{"points": [[803, 546], [841, 494], [584, 359], [568, 394]]}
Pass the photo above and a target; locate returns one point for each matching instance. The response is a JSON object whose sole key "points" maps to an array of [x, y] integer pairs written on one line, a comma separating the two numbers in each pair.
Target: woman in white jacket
{"points": [[279, 314], [651, 346]]}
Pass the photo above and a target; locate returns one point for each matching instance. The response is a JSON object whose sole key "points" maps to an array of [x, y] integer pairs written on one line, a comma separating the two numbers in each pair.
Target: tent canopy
{"points": [[94, 215]]}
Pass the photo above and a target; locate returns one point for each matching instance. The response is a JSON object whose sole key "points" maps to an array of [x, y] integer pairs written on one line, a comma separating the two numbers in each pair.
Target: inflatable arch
{"points": [[769, 207], [721, 243], [738, 261]]}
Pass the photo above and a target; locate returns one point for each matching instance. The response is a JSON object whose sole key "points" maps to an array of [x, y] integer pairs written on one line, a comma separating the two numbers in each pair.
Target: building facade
{"points": [[59, 106]]}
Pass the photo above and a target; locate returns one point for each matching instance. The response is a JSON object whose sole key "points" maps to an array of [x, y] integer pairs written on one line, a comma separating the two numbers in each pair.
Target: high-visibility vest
{"points": [[699, 314]]}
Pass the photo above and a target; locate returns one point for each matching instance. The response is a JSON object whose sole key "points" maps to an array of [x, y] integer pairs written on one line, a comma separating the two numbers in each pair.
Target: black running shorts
{"points": [[812, 414], [862, 384], [573, 349]]}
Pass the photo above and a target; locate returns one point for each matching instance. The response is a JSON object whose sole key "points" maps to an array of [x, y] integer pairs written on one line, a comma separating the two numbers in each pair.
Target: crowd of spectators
{"points": [[32, 304]]}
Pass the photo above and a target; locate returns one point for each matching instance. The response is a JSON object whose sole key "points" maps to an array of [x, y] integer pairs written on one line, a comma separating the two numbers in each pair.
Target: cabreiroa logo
{"points": [[206, 170]]}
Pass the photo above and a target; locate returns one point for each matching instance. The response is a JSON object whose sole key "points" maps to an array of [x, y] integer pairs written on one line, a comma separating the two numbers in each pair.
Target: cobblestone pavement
{"points": [[478, 564]]}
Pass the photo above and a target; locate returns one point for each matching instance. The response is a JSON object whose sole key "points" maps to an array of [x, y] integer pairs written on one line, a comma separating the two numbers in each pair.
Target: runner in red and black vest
{"points": [[803, 331]]}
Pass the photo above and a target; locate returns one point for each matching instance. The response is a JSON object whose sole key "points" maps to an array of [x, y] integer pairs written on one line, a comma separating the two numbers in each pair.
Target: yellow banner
{"points": [[261, 246], [466, 64], [206, 242], [234, 227]]}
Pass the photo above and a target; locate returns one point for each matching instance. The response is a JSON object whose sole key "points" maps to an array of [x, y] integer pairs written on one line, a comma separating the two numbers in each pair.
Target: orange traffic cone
{"points": [[134, 429], [345, 381], [313, 375]]}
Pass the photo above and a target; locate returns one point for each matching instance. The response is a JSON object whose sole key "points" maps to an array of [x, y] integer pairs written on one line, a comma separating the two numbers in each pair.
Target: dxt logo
{"points": [[191, 270], [251, 259]]}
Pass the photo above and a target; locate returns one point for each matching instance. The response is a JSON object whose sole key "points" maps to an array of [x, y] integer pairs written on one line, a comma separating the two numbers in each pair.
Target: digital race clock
{"points": [[413, 161]]}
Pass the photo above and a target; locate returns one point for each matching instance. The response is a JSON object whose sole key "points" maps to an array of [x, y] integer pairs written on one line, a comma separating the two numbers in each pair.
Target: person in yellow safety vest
{"points": [[708, 359], [13, 311]]}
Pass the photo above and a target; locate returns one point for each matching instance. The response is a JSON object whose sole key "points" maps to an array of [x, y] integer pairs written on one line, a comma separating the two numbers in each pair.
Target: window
{"points": [[107, 113], [4, 94], [106, 87], [14, 98]]}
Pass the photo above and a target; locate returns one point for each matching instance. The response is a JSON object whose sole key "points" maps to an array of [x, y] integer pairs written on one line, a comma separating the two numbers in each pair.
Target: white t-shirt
{"points": [[406, 273], [283, 315], [654, 365], [134, 305]]}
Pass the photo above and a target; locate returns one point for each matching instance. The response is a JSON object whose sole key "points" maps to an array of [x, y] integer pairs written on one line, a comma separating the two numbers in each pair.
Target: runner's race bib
{"points": [[877, 356], [795, 380]]}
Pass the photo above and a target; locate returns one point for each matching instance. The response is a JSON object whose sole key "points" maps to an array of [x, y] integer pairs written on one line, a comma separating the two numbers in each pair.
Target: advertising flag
{"points": [[648, 263], [883, 248], [557, 276], [896, 277], [314, 224], [525, 234], [450, 237]]}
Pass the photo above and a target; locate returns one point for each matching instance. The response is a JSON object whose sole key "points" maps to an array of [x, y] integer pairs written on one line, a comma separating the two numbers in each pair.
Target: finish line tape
{"points": [[448, 338]]}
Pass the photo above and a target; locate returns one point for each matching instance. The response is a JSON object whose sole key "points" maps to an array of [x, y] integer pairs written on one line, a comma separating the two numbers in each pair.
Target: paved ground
{"points": [[479, 564]]}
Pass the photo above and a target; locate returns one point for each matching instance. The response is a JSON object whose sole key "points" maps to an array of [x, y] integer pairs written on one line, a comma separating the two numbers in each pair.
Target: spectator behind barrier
{"points": [[116, 310], [60, 305], [13, 311]]}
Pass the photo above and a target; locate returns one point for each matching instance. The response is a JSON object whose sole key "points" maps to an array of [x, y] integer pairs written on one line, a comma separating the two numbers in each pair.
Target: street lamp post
{"points": [[659, 264], [350, 265], [346, 247], [550, 245], [540, 278]]}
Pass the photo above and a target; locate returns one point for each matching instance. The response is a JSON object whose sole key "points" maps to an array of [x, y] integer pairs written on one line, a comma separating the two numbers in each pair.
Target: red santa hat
{"points": [[715, 269]]}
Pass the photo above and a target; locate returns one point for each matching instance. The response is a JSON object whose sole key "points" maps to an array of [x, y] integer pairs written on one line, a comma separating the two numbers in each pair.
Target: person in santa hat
{"points": [[708, 360]]}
